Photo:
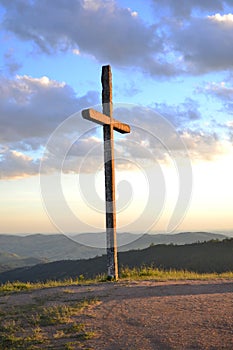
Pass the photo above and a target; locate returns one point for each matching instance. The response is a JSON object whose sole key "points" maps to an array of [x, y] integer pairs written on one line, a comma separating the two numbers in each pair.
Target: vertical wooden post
{"points": [[112, 263], [109, 125]]}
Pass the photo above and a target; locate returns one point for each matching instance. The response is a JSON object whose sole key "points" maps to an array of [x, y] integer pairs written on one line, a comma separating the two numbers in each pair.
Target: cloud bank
{"points": [[178, 42], [32, 108], [184, 38]]}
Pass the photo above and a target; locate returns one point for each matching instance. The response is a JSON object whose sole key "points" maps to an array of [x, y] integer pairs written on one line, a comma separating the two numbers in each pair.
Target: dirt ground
{"points": [[146, 315], [163, 315]]}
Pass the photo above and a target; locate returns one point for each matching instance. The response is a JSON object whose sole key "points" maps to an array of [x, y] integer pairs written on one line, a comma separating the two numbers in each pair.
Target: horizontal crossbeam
{"points": [[102, 119]]}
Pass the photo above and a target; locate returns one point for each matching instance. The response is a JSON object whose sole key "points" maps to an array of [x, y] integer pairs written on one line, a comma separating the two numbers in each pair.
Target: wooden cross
{"points": [[109, 125]]}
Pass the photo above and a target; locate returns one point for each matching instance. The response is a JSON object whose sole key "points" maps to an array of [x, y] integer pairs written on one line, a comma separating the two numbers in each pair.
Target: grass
{"points": [[126, 273], [14, 287], [146, 272], [34, 326]]}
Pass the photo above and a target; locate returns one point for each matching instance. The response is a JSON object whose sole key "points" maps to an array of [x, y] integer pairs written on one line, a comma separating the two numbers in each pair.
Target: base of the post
{"points": [[111, 278], [112, 263]]}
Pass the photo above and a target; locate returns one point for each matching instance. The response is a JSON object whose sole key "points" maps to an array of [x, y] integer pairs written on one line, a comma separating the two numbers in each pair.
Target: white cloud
{"points": [[76, 52], [223, 92], [109, 33], [203, 146], [16, 165], [134, 14], [164, 135], [220, 90], [72, 149], [230, 123], [205, 45], [31, 84], [94, 5], [182, 114], [34, 107], [30, 110], [227, 19], [101, 29]]}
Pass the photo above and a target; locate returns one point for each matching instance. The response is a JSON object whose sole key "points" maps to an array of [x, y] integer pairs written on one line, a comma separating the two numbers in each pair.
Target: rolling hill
{"points": [[42, 246], [18, 251], [213, 256], [9, 261]]}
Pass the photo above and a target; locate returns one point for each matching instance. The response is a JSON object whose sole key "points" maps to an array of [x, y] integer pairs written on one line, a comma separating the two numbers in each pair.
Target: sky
{"points": [[172, 70]]}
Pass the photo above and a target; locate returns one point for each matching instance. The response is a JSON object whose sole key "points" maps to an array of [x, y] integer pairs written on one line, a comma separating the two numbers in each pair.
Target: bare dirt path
{"points": [[146, 315], [163, 315]]}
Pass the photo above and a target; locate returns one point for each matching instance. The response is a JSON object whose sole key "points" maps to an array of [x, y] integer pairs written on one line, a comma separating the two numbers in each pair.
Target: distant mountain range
{"points": [[212, 256], [128, 241], [17, 251]]}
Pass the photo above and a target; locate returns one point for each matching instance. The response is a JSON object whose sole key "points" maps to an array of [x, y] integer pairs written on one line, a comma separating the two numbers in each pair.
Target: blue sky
{"points": [[172, 82]]}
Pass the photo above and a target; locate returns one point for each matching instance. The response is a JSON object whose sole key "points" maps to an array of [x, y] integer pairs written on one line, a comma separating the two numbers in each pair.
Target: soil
{"points": [[146, 315]]}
